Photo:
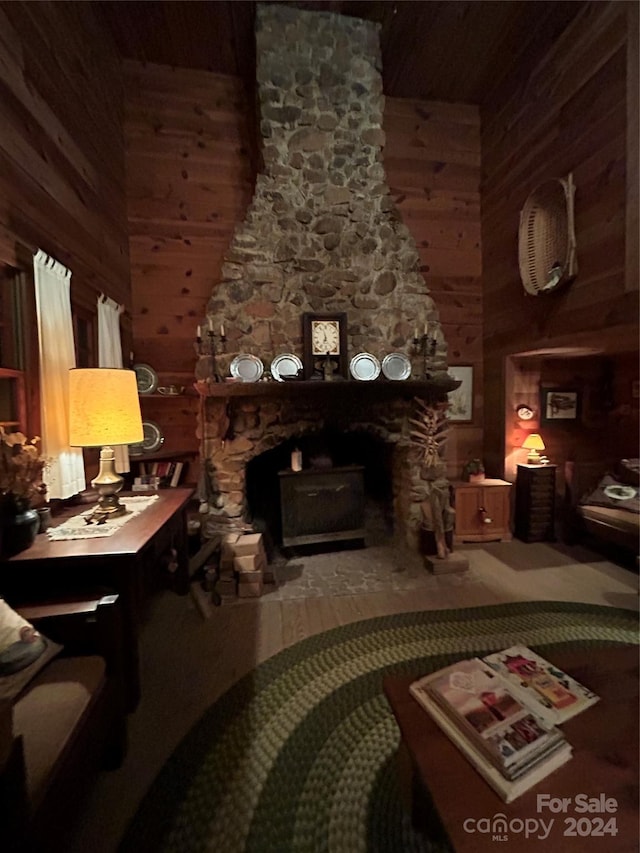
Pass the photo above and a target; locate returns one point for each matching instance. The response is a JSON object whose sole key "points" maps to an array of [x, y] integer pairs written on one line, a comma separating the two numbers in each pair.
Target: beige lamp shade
{"points": [[533, 443], [104, 407]]}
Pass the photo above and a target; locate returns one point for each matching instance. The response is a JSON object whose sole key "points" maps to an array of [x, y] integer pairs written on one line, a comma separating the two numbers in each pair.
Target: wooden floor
{"points": [[188, 661]]}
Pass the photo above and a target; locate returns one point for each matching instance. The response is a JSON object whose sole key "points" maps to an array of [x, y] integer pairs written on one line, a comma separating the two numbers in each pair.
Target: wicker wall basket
{"points": [[546, 240]]}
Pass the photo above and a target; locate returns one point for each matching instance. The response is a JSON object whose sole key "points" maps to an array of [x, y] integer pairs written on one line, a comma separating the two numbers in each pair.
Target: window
{"points": [[84, 333], [14, 351], [19, 373]]}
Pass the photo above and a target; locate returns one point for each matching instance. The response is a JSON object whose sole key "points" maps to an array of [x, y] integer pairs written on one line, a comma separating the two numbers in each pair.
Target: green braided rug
{"points": [[298, 755]]}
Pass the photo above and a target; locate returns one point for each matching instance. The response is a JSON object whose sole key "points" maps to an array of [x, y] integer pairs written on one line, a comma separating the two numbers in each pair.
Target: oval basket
{"points": [[546, 239]]}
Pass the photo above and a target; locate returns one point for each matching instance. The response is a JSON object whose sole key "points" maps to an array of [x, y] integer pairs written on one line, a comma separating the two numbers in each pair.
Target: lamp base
{"points": [[534, 458], [108, 507], [107, 484]]}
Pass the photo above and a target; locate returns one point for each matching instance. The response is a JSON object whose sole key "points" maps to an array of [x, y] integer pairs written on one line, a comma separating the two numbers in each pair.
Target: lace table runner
{"points": [[77, 528]]}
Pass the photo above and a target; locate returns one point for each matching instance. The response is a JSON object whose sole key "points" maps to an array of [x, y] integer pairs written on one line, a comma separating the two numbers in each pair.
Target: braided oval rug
{"points": [[299, 754]]}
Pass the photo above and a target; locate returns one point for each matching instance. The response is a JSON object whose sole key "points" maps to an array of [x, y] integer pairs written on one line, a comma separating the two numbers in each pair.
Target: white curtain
{"points": [[110, 355], [64, 473]]}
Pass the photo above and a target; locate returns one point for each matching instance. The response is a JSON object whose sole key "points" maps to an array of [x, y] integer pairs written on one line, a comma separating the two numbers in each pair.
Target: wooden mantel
{"points": [[435, 388]]}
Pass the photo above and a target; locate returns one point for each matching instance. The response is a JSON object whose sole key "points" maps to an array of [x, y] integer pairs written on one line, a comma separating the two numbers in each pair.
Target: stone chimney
{"points": [[322, 234]]}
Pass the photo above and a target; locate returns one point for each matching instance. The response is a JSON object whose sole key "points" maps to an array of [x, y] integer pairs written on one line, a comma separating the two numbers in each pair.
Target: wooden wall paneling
{"points": [[420, 205], [632, 255], [464, 342], [464, 443], [61, 144], [596, 34], [569, 115], [37, 221], [162, 352], [494, 394], [91, 77], [522, 387], [432, 164], [62, 170], [190, 183], [533, 158], [578, 125]]}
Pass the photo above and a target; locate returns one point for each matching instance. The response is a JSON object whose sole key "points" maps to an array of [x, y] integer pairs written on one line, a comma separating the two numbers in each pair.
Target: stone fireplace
{"points": [[322, 234]]}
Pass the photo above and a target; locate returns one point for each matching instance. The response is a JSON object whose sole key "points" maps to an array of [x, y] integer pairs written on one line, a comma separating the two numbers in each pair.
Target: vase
{"points": [[19, 526]]}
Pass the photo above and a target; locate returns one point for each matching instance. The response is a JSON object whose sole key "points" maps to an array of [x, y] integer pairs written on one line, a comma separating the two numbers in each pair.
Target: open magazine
{"points": [[555, 695], [501, 713]]}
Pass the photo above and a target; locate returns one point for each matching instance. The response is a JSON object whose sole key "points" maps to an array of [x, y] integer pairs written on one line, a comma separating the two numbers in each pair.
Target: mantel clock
{"points": [[324, 339]]}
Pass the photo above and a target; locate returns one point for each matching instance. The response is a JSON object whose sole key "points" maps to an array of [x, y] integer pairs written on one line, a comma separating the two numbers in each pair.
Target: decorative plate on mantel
{"points": [[246, 367], [285, 366], [396, 366], [364, 367]]}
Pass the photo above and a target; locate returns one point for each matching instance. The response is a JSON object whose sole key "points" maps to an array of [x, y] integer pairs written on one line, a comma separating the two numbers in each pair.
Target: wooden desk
{"points": [[146, 553], [605, 761]]}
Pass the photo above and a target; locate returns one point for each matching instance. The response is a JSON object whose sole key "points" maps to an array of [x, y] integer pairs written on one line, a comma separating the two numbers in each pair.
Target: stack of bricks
{"points": [[243, 566]]}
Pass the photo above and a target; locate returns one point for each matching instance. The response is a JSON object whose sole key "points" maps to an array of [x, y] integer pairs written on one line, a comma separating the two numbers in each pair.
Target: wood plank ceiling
{"points": [[448, 51]]}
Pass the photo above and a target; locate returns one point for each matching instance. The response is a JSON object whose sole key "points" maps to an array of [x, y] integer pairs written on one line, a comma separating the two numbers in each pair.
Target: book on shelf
{"points": [[502, 713], [176, 474], [145, 483], [158, 474]]}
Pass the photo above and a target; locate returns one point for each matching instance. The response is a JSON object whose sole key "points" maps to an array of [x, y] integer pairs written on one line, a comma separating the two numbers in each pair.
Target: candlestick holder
{"points": [[425, 346]]}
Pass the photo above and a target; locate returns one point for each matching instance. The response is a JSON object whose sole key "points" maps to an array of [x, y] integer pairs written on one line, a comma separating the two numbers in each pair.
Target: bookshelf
{"points": [[176, 416], [163, 464]]}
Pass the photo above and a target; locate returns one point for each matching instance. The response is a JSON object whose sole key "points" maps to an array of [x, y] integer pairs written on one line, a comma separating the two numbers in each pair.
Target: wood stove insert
{"points": [[322, 505]]}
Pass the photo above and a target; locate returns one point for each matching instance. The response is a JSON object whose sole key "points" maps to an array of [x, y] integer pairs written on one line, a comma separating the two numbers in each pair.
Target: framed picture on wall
{"points": [[461, 400], [560, 404]]}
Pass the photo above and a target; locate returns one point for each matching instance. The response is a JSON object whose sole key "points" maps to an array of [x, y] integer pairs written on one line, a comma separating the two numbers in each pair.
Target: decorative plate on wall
{"points": [[524, 413], [146, 377], [153, 438]]}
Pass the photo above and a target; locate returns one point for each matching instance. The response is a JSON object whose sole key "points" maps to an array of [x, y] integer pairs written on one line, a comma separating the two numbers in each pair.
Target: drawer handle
{"points": [[333, 490], [485, 518]]}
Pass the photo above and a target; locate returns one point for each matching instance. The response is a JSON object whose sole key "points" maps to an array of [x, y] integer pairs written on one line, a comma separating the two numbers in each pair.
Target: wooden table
{"points": [[605, 762], [148, 552]]}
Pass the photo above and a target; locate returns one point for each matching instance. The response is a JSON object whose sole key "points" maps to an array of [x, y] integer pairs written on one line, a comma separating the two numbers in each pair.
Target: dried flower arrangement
{"points": [[21, 468]]}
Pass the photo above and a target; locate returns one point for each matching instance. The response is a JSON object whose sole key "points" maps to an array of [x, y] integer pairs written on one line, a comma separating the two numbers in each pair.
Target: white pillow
{"points": [[23, 652], [13, 627]]}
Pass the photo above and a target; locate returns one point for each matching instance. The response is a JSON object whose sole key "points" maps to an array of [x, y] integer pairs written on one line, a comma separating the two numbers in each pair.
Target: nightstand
{"points": [[535, 503], [482, 511]]}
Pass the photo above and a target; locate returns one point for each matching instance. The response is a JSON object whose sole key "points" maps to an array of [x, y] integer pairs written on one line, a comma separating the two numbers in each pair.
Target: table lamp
{"points": [[533, 443], [104, 410]]}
